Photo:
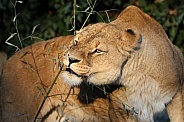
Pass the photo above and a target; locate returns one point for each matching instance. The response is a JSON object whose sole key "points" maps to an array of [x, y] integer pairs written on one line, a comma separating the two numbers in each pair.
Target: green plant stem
{"points": [[47, 94], [89, 14], [74, 13]]}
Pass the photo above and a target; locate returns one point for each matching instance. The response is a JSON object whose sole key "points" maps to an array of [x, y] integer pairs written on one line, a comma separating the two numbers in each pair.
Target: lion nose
{"points": [[73, 59]]}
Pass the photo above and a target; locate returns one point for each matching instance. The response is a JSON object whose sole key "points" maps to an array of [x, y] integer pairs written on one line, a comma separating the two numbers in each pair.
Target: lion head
{"points": [[98, 53]]}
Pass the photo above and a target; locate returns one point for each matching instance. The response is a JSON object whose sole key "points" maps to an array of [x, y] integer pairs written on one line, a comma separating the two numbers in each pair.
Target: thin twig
{"points": [[15, 23], [47, 94]]}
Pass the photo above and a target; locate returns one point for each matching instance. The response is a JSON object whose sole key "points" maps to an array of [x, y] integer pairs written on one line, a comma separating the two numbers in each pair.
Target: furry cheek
{"points": [[71, 79]]}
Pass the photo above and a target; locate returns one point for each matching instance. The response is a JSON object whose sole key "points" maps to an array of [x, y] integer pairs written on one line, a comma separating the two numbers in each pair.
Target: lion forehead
{"points": [[98, 32]]}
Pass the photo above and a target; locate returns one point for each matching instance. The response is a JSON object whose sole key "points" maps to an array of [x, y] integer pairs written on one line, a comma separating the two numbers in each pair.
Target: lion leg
{"points": [[175, 109]]}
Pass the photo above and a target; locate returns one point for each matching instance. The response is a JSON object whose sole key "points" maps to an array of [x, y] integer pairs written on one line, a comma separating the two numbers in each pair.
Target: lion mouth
{"points": [[72, 72]]}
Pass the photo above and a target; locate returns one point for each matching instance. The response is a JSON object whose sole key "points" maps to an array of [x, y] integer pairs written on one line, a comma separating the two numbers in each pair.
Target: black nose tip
{"points": [[73, 60]]}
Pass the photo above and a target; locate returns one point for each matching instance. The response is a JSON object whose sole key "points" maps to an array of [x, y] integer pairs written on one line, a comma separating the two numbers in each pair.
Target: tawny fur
{"points": [[134, 51], [29, 73]]}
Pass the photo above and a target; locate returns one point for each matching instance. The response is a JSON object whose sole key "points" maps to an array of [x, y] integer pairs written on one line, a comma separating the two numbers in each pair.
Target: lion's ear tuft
{"points": [[130, 40]]}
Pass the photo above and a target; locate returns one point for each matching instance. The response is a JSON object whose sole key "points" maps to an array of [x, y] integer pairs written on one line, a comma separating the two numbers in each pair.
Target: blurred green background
{"points": [[52, 18]]}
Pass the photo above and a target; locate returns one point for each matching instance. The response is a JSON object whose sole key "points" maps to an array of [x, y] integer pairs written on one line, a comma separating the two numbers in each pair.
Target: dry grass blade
{"points": [[92, 7]]}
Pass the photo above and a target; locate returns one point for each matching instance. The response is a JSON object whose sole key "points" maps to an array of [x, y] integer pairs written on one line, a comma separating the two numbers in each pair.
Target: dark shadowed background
{"points": [[54, 18]]}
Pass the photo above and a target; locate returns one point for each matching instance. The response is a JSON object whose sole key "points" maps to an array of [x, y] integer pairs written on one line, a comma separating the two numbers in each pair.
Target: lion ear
{"points": [[130, 40]]}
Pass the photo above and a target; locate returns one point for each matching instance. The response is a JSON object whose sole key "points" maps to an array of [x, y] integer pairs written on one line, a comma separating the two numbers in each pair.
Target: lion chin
{"points": [[71, 79], [74, 79]]}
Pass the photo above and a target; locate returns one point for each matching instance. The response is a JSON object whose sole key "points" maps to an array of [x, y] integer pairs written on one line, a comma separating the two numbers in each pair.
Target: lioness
{"points": [[134, 51], [27, 77]]}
